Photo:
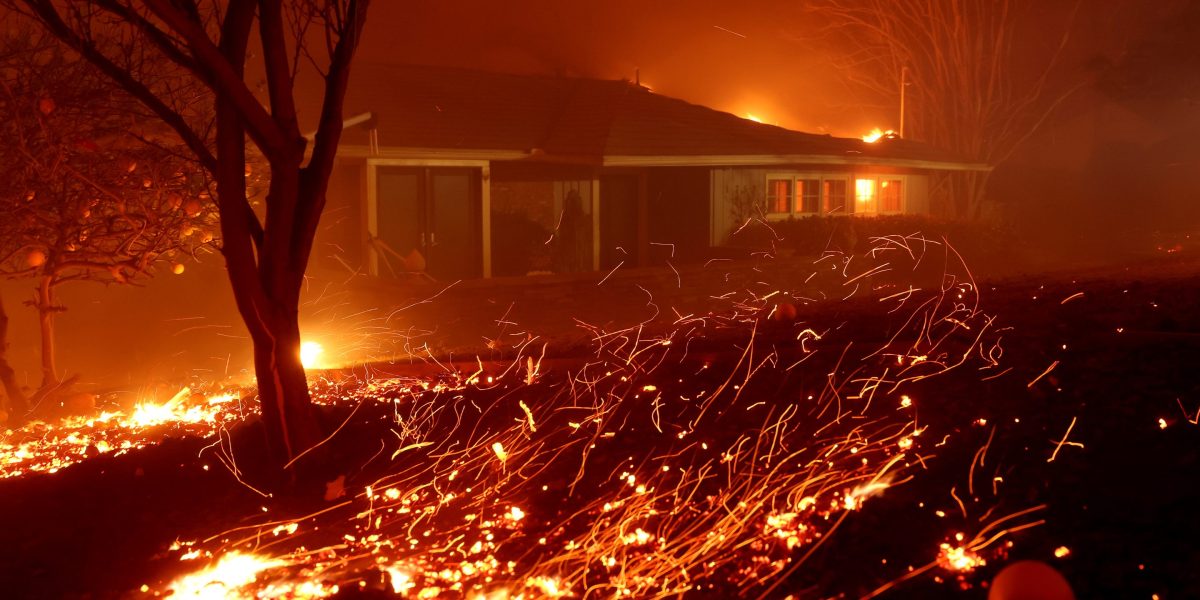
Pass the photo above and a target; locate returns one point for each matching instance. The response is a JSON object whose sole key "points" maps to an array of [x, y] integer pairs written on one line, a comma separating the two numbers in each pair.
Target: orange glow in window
{"points": [[864, 189]]}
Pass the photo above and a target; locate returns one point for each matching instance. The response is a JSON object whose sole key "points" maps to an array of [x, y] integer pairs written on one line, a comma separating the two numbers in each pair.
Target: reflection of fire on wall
{"points": [[541, 227]]}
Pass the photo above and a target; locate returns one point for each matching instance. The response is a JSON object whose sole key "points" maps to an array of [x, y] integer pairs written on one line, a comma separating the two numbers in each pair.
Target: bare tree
{"points": [[16, 404], [979, 77], [83, 196], [266, 259]]}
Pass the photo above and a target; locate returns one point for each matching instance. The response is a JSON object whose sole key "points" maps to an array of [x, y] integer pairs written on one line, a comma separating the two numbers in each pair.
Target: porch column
{"points": [[372, 218], [596, 223], [485, 220]]}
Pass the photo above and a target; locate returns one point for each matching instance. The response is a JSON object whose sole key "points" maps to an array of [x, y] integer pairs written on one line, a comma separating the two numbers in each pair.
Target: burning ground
{"points": [[884, 425]]}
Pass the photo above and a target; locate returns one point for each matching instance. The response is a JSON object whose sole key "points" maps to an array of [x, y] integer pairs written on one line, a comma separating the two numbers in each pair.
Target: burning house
{"points": [[459, 174]]}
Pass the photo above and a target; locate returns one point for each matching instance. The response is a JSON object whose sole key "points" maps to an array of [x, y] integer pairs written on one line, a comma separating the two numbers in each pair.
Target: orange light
{"points": [[310, 354], [878, 134], [754, 118], [864, 189]]}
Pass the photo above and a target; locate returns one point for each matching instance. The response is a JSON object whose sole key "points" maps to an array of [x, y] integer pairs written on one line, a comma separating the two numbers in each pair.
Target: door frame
{"points": [[371, 215]]}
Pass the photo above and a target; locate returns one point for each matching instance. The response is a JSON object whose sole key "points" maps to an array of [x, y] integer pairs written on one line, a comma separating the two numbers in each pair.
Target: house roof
{"points": [[472, 113]]}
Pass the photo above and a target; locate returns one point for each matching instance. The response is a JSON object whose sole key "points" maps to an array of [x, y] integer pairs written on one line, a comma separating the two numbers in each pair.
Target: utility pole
{"points": [[903, 84]]}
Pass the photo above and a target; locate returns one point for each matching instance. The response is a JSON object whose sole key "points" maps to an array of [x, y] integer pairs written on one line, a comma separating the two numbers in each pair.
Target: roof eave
{"points": [[396, 152], [744, 160], [706, 160]]}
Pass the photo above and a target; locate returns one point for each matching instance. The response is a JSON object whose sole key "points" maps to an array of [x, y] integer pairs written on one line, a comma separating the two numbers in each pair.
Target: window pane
{"points": [[809, 192], [890, 194], [864, 196], [835, 197], [779, 196]]}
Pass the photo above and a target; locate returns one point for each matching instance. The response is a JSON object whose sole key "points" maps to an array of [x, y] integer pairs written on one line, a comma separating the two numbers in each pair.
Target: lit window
{"points": [[779, 196], [864, 196], [890, 195]]}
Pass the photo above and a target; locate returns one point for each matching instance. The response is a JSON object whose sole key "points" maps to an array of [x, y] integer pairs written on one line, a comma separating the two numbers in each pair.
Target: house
{"points": [[461, 174]]}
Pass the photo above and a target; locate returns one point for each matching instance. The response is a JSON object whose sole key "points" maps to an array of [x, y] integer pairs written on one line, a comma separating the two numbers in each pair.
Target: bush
{"points": [[980, 242]]}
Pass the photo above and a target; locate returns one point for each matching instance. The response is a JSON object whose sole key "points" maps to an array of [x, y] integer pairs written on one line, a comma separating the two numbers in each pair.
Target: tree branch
{"points": [[226, 80], [48, 14]]}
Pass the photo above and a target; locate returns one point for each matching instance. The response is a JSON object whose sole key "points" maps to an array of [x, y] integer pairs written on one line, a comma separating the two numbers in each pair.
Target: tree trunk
{"points": [[282, 387], [265, 286], [287, 411], [46, 309], [18, 405]]}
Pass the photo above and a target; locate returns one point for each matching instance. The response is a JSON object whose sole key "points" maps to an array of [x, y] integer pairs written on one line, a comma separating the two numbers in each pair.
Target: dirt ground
{"points": [[1102, 381]]}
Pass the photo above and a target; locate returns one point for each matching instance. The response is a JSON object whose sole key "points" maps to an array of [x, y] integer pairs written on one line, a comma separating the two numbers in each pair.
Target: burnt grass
{"points": [[1124, 502]]}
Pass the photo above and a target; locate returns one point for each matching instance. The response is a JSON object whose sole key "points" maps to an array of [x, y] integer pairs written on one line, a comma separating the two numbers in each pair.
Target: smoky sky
{"points": [[762, 57], [724, 54]]}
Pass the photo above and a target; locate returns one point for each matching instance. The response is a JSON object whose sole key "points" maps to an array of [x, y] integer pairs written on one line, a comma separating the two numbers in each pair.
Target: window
{"points": [[891, 194], [864, 196], [834, 195], [779, 196], [808, 191], [806, 194]]}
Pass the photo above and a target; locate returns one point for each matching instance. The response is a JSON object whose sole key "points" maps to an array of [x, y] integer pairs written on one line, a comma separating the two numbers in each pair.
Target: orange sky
{"points": [[760, 57]]}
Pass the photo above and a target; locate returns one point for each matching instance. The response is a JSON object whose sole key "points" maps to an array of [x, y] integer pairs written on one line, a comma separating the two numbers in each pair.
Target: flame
{"points": [[755, 118], [310, 354], [224, 579], [879, 134]]}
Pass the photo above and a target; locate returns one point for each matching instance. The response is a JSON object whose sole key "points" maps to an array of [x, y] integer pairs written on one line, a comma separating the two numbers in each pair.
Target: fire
{"points": [[149, 415], [310, 354], [879, 134], [225, 579], [50, 447], [755, 118]]}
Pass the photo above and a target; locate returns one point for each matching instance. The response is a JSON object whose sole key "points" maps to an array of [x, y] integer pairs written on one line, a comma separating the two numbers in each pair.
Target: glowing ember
{"points": [[719, 474], [730, 504], [45, 447], [958, 558]]}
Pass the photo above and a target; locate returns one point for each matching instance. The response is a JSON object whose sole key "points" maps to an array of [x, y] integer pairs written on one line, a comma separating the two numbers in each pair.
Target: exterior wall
{"points": [[918, 195], [341, 240], [735, 194]]}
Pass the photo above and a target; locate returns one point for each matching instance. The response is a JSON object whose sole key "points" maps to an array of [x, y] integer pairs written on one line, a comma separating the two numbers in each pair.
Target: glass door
{"points": [[453, 224], [428, 221]]}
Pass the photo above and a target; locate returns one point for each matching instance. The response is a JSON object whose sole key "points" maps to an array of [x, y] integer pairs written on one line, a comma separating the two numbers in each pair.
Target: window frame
{"points": [[796, 202], [903, 194], [876, 201]]}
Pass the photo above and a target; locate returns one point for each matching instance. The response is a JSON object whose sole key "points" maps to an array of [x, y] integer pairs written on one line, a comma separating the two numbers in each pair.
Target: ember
{"points": [[723, 505]]}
